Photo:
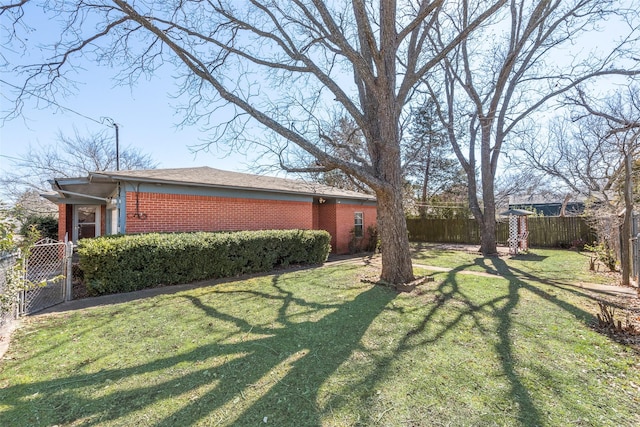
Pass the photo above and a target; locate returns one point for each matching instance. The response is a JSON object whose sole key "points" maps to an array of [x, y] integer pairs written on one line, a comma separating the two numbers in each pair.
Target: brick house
{"points": [[206, 199]]}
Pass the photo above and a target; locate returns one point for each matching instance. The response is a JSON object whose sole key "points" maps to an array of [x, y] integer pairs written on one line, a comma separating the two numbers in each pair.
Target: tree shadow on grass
{"points": [[500, 268], [529, 413], [530, 256], [502, 308], [281, 365], [275, 370], [448, 292]]}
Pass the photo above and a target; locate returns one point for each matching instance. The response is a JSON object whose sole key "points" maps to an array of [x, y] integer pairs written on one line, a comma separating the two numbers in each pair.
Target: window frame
{"points": [[358, 224]]}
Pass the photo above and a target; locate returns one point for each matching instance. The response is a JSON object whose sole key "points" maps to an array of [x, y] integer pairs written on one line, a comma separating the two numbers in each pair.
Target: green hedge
{"points": [[114, 264]]}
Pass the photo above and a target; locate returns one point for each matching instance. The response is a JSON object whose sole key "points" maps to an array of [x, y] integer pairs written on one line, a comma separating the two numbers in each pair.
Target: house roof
{"points": [[541, 200], [202, 177]]}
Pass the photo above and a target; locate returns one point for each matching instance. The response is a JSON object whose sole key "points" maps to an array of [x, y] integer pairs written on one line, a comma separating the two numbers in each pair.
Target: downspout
{"points": [[122, 208], [118, 208]]}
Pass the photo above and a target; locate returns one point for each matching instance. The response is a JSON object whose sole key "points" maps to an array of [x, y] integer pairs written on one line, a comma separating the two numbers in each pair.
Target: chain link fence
{"points": [[47, 277], [46, 273]]}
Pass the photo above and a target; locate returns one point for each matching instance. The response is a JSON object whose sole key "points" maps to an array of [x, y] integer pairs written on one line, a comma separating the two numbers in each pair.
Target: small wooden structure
{"points": [[518, 230]]}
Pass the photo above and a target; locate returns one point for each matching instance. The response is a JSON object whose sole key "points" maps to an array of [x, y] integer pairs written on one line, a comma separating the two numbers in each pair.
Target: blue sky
{"points": [[145, 113]]}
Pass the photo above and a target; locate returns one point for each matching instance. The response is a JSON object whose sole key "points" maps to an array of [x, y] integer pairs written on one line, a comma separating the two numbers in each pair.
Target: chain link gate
{"points": [[49, 269]]}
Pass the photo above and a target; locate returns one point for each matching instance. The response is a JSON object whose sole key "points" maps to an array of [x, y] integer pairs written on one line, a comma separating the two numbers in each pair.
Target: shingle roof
{"points": [[210, 177]]}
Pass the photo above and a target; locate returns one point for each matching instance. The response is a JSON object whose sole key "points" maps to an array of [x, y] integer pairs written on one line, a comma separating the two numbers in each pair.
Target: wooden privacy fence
{"points": [[543, 231]]}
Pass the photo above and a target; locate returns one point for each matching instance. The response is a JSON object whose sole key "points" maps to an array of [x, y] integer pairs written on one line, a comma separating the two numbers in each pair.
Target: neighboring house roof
{"points": [[541, 200], [548, 206], [94, 184]]}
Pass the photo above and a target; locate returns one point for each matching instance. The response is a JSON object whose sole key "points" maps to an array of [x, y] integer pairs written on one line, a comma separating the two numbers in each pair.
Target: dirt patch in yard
{"points": [[625, 310]]}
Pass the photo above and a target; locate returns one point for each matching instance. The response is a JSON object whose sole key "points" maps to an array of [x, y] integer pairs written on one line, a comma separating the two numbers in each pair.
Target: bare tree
{"points": [[591, 149], [573, 153], [347, 142], [496, 79], [619, 116], [30, 203], [520, 181], [71, 156], [278, 67]]}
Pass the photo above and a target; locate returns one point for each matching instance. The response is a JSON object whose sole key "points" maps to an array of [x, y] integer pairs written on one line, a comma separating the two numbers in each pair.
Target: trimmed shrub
{"points": [[114, 264]]}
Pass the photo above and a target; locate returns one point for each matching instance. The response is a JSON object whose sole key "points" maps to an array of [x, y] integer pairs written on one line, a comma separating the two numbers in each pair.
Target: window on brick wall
{"points": [[358, 225]]}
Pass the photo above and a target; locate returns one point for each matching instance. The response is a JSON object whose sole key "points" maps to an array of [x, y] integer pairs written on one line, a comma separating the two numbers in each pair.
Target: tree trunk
{"points": [[486, 218], [563, 208], [392, 226], [625, 249], [488, 244], [384, 146]]}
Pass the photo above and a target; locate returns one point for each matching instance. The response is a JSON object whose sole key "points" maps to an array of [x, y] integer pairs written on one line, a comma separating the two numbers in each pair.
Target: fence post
{"points": [[69, 271], [23, 279]]}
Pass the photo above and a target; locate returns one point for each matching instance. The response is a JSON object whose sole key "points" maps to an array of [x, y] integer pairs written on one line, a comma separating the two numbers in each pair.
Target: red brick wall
{"points": [[176, 212], [316, 216], [345, 223], [327, 221], [103, 220], [339, 220], [62, 222]]}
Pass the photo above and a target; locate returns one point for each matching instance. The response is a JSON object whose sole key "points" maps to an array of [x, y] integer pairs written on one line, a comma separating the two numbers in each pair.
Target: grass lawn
{"points": [[321, 347]]}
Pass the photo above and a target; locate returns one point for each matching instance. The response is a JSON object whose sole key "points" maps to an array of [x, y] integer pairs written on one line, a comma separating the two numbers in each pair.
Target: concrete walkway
{"points": [[5, 336], [615, 290]]}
